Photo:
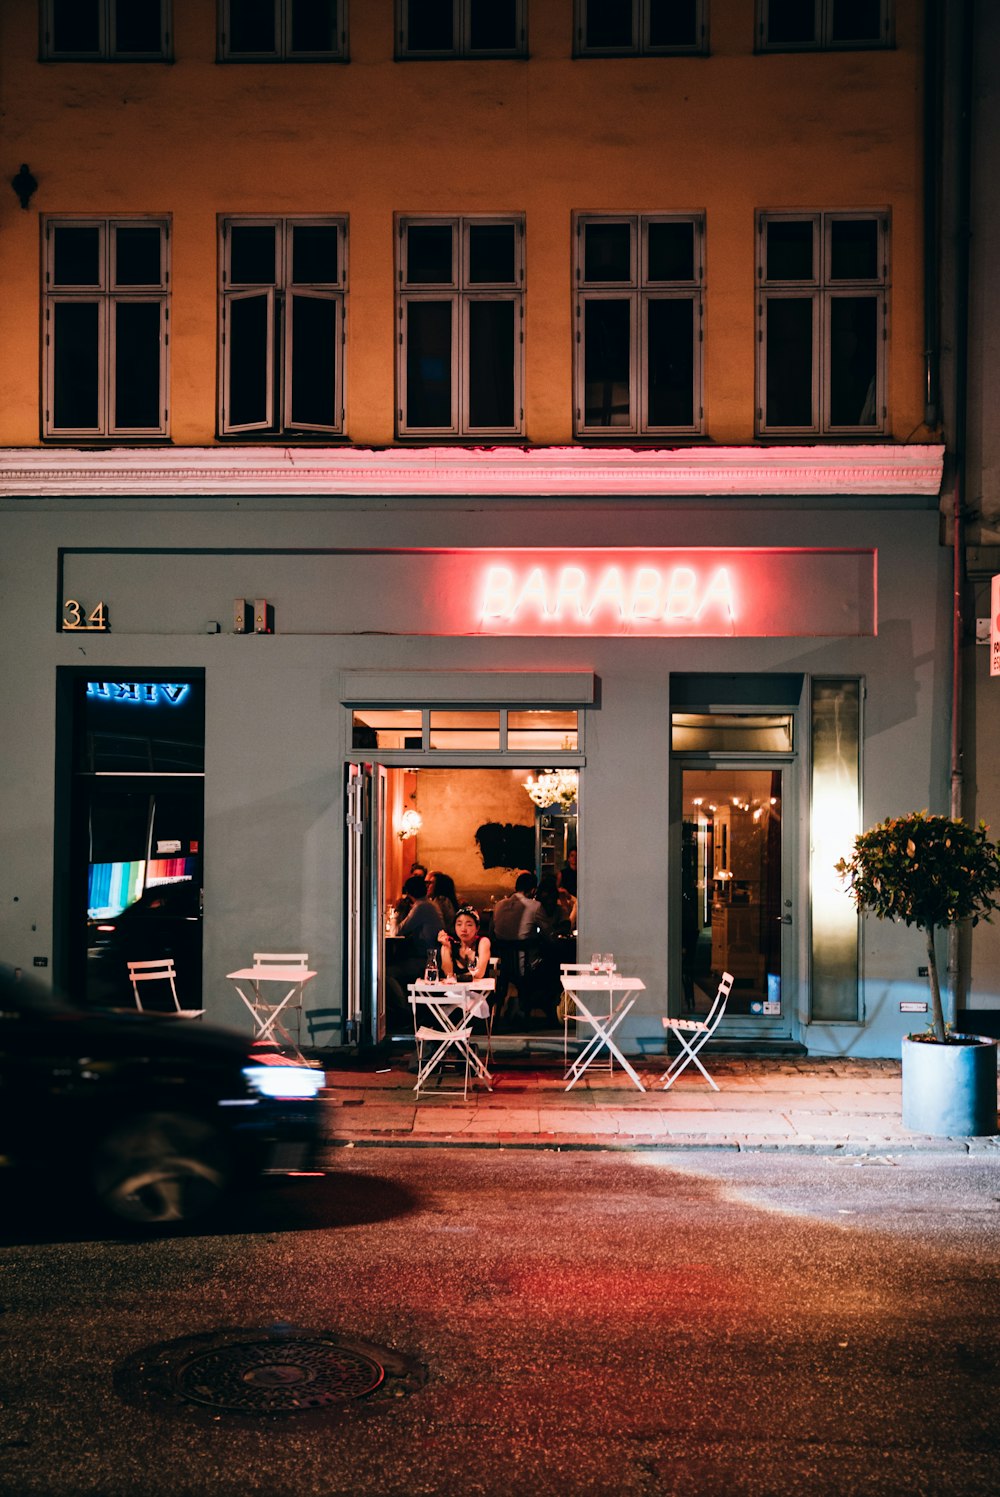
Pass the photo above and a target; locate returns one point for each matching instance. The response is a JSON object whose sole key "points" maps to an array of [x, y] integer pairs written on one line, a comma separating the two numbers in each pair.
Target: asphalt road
{"points": [[552, 1323]]}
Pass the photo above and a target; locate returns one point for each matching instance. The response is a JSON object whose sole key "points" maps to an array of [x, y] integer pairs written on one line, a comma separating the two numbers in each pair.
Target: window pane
{"points": [[670, 363], [252, 26], [314, 361], [137, 364], [791, 21], [542, 730], [491, 254], [75, 395], [76, 25], [428, 363], [789, 251], [76, 256], [607, 252], [247, 349], [609, 23], [314, 25], [138, 26], [670, 251], [137, 256], [854, 250], [430, 25], [429, 259], [392, 728], [836, 805], [251, 255], [673, 23], [465, 730], [315, 260], [856, 21], [788, 333], [491, 364], [853, 360], [493, 26], [607, 363], [731, 732]]}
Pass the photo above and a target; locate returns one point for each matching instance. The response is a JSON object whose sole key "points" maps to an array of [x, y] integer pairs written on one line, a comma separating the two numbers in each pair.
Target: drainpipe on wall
{"points": [[957, 977]]}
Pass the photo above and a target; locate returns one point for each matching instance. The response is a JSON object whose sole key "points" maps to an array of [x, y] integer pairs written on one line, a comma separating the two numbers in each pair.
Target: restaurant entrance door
{"points": [[736, 902]]}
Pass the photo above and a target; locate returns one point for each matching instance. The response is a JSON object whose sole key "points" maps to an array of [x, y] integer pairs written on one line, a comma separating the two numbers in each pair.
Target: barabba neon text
{"points": [[638, 595]]}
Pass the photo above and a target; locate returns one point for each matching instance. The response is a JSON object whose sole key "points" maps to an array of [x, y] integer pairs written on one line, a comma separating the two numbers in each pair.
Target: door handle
{"points": [[784, 919]]}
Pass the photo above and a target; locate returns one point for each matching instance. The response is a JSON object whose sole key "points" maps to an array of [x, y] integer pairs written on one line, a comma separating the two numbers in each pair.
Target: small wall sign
{"points": [[80, 616]]}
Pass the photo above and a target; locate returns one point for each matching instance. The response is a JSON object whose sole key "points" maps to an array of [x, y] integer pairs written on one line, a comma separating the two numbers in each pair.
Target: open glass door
{"points": [[365, 798], [736, 905]]}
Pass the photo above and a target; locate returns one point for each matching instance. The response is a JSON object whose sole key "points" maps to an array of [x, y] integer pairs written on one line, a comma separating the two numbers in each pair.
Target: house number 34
{"points": [[77, 615]]}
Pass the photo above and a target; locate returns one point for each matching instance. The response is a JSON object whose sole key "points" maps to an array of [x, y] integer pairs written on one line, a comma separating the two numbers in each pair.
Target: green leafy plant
{"points": [[929, 871]]}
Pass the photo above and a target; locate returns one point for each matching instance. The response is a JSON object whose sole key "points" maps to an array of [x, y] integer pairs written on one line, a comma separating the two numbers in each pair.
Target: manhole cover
{"points": [[277, 1370]]}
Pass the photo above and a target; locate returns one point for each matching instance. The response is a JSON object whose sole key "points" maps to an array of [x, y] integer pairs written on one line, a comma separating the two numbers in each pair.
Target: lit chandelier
{"points": [[555, 787]]}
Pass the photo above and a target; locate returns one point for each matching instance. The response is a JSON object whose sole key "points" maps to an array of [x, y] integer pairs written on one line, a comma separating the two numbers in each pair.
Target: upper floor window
{"points": [[106, 312], [461, 304], [281, 324], [106, 30], [460, 28], [792, 25], [608, 28], [639, 291], [822, 310], [283, 30]]}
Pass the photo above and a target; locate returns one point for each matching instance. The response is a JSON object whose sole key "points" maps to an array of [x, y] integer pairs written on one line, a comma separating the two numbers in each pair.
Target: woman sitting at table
{"points": [[465, 956]]}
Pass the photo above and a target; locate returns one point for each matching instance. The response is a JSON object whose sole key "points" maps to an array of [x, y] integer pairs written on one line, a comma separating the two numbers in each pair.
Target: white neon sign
{"points": [[639, 595], [142, 693]]}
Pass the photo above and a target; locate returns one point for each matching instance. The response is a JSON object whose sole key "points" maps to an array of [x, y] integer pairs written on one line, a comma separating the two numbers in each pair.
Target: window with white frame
{"points": [[281, 325], [639, 306], [460, 28], [823, 25], [283, 30], [106, 30], [106, 321], [460, 344], [633, 28], [823, 320]]}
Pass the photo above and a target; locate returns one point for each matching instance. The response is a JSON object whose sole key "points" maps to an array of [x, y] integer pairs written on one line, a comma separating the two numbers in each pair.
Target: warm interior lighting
{"points": [[409, 825], [555, 787]]}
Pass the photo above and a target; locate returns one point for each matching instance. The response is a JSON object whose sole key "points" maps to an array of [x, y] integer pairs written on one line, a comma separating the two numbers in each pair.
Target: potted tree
{"points": [[934, 872]]}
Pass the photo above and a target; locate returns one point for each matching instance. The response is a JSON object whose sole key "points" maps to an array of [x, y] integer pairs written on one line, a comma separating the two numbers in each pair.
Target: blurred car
{"points": [[164, 921], [155, 1119]]}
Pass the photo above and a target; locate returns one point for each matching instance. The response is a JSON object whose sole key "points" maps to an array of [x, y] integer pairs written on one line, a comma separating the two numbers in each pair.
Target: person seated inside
{"points": [[441, 892], [567, 875], [465, 956], [404, 903], [518, 918], [420, 930]]}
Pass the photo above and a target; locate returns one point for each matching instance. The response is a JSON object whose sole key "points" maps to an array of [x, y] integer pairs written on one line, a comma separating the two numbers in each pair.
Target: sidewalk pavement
{"points": [[805, 1106]]}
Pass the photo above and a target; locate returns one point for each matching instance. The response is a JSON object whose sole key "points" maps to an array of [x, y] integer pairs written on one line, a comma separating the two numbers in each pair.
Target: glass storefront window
{"points": [[388, 728], [542, 730], [836, 800], [465, 730], [732, 732]]}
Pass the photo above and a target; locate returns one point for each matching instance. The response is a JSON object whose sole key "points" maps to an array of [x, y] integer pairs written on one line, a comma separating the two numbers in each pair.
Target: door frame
{"points": [[745, 1026]]}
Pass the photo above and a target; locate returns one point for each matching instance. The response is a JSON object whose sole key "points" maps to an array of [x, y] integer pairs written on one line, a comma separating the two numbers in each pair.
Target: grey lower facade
{"points": [[368, 612]]}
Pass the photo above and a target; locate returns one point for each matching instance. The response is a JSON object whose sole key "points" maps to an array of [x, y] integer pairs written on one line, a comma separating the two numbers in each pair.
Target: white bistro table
{"points": [[266, 1014], [452, 1003], [621, 993]]}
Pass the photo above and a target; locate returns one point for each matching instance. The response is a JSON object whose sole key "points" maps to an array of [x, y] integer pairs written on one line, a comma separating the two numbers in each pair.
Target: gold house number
{"points": [[77, 616]]}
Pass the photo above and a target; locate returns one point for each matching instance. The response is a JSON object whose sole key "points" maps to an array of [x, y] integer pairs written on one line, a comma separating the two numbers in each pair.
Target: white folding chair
{"points": [[700, 1032], [435, 1041], [571, 969], [161, 971], [262, 1008]]}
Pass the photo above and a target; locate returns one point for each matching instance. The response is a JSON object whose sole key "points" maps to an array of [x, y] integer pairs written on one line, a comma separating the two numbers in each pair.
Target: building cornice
{"points": [[910, 469]]}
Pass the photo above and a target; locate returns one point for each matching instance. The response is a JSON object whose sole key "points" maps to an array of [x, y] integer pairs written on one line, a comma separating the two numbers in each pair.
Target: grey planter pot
{"points": [[950, 1090]]}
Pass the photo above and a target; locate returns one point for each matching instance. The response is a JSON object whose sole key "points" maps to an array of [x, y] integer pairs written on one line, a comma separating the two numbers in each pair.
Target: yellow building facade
{"points": [[723, 135]]}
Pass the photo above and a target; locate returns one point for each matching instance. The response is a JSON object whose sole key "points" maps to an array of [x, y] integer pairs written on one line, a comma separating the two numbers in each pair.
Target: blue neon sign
{"points": [[139, 693]]}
